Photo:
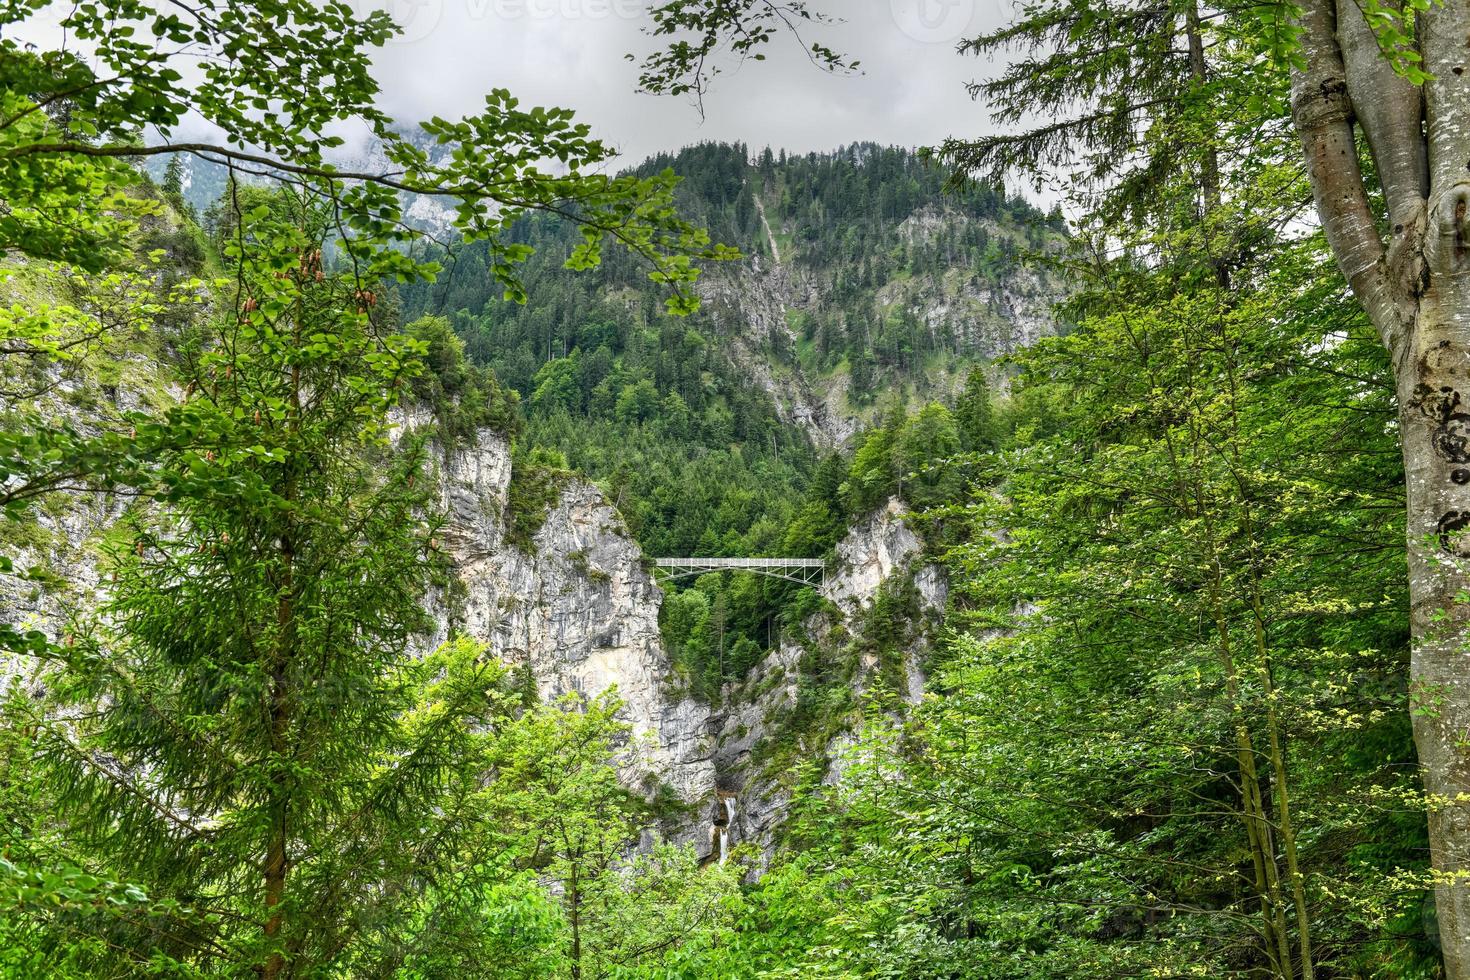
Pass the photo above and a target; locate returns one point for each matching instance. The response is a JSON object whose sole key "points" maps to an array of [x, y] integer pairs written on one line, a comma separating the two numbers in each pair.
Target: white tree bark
{"points": [[1415, 286], [1382, 100]]}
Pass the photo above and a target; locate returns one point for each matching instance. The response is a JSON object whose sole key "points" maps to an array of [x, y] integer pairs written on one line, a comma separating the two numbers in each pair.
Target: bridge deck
{"points": [[805, 570], [740, 562]]}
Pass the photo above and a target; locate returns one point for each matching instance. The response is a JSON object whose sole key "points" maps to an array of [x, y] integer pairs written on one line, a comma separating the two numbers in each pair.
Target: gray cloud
{"points": [[570, 53]]}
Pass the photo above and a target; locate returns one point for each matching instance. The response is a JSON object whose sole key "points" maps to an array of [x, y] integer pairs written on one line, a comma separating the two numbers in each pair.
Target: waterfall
{"points": [[729, 802]]}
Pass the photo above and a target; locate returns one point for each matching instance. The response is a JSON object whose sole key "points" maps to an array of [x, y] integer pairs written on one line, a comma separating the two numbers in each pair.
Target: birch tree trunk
{"points": [[1409, 266]]}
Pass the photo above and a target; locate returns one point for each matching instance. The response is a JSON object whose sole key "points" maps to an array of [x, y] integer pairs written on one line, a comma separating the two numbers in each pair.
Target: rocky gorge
{"points": [[580, 610]]}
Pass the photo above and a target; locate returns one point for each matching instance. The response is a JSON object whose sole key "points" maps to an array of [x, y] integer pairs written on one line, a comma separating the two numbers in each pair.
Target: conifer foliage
{"points": [[270, 760]]}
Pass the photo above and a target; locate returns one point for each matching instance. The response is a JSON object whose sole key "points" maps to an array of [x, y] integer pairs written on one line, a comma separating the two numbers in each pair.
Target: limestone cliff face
{"points": [[56, 546], [873, 550], [751, 306], [878, 553], [579, 608], [757, 302], [56, 563]]}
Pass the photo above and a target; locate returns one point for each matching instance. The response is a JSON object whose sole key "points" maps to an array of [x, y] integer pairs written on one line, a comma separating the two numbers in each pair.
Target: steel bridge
{"points": [[803, 571]]}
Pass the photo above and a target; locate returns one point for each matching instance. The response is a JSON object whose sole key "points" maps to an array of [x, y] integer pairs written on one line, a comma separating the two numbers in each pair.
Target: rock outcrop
{"points": [[579, 608], [877, 553], [756, 303]]}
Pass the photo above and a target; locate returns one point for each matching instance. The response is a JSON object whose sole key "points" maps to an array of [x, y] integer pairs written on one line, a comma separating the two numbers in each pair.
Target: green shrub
{"points": [[465, 397], [536, 483]]}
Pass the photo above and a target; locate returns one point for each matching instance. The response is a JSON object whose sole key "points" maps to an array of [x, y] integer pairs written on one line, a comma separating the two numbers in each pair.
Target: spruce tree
{"points": [[173, 179], [243, 731], [975, 413]]}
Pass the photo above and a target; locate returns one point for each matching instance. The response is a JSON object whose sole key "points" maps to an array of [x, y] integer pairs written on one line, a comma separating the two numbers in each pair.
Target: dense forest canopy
{"points": [[662, 412], [1138, 646]]}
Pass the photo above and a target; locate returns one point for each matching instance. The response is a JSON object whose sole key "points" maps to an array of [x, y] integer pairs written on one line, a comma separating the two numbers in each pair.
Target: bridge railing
{"points": [[807, 571], [740, 562]]}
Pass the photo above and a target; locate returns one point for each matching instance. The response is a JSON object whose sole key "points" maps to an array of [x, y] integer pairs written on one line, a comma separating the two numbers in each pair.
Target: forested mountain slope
{"points": [[330, 644], [530, 561], [864, 291], [862, 281], [826, 738]]}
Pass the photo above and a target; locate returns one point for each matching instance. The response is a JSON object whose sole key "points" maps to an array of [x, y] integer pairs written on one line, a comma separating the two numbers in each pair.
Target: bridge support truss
{"points": [[803, 571]]}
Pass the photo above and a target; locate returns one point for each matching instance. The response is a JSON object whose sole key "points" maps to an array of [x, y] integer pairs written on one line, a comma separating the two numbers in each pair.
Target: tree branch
{"points": [[1443, 30], [1389, 109], [1323, 115]]}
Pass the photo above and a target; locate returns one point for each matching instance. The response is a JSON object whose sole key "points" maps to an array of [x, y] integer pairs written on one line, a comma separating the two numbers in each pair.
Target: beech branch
{"points": [[1443, 30], [1323, 115], [1389, 108]]}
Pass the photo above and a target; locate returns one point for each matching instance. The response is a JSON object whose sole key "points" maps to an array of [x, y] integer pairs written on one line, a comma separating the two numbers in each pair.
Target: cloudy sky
{"points": [[570, 53]]}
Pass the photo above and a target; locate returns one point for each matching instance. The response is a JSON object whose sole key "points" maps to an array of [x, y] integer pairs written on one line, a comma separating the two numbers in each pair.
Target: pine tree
{"points": [[975, 414], [243, 731], [173, 179]]}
